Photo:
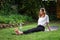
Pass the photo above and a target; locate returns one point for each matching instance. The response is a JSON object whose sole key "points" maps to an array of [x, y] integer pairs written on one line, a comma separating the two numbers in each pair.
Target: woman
{"points": [[42, 22]]}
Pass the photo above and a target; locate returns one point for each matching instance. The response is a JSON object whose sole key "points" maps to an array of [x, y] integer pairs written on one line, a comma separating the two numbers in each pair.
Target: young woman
{"points": [[42, 22]]}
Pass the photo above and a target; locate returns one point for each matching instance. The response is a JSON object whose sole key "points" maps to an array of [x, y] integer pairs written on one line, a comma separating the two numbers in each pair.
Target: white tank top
{"points": [[42, 20]]}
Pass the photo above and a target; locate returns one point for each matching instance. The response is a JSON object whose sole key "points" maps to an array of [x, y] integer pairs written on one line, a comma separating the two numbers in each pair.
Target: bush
{"points": [[15, 18]]}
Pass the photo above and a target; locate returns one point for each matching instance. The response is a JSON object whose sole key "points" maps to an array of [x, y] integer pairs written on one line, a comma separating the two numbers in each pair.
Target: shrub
{"points": [[15, 18]]}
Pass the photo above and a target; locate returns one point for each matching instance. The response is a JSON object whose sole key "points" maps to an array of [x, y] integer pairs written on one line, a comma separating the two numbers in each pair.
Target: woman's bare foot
{"points": [[18, 31]]}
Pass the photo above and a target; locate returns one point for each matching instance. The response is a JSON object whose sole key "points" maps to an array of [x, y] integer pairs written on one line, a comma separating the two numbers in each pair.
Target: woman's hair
{"points": [[43, 10]]}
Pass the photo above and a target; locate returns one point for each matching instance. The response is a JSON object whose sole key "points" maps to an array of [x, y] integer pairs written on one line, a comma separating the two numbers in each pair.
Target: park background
{"points": [[14, 12]]}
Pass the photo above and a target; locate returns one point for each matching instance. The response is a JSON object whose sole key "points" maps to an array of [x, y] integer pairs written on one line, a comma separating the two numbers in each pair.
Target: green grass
{"points": [[7, 33]]}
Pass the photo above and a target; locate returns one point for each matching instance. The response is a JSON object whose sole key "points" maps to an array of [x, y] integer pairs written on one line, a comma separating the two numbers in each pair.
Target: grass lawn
{"points": [[7, 33]]}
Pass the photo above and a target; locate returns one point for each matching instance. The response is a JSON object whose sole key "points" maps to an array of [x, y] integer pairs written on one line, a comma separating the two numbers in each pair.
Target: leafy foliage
{"points": [[27, 8], [13, 19]]}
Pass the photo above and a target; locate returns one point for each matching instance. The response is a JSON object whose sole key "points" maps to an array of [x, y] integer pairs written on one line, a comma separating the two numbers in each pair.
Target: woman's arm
{"points": [[47, 23], [48, 26]]}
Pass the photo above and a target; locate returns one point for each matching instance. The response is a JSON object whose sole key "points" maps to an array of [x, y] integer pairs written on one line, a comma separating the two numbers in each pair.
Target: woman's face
{"points": [[41, 12]]}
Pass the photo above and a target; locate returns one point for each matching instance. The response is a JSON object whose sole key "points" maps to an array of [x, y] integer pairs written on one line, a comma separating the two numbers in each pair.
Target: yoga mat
{"points": [[53, 28]]}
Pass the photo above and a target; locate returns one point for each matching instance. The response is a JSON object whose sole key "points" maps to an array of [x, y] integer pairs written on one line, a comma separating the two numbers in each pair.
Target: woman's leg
{"points": [[38, 28]]}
